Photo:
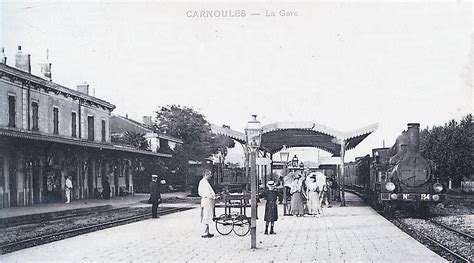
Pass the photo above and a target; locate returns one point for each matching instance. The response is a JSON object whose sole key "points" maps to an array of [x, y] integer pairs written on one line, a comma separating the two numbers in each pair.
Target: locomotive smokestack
{"points": [[413, 133]]}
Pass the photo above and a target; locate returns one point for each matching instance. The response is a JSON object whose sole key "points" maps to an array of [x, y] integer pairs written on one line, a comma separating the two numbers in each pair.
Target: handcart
{"points": [[236, 221]]}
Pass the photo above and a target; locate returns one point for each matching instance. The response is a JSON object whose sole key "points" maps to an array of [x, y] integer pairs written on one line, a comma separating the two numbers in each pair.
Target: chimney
{"points": [[83, 87], [147, 120], [22, 61], [413, 133], [3, 58], [46, 67]]}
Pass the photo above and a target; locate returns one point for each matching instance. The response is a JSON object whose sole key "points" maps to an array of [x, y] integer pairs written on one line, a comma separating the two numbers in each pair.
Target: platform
{"points": [[355, 233], [83, 204]]}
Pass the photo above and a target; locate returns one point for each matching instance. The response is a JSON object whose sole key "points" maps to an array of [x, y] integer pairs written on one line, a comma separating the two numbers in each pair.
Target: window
{"points": [[34, 106], [55, 120], [74, 124], [103, 130], [90, 128], [11, 111]]}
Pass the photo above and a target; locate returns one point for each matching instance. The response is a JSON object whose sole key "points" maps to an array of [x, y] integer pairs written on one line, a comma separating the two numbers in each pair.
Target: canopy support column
{"points": [[343, 152]]}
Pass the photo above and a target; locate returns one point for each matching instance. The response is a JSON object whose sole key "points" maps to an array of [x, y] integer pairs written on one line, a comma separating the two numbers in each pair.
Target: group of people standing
{"points": [[313, 187], [208, 197]]}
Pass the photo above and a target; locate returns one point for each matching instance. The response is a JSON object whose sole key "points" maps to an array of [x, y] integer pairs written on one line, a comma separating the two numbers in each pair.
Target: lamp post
{"points": [[253, 133], [284, 155]]}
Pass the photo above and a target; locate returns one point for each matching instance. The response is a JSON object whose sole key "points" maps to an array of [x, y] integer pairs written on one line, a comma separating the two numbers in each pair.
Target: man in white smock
{"points": [[207, 195], [68, 189]]}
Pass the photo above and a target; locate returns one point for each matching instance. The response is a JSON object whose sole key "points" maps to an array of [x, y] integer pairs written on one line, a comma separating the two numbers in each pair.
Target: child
{"points": [[271, 209]]}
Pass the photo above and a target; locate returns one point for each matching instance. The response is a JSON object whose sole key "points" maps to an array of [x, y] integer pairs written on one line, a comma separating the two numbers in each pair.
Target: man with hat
{"points": [[155, 195], [207, 195]]}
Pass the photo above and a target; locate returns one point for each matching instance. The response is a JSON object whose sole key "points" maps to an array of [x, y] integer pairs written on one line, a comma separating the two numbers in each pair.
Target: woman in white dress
{"points": [[312, 193]]}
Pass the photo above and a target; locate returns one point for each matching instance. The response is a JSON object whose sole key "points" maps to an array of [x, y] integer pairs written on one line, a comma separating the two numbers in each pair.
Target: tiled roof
{"points": [[120, 125]]}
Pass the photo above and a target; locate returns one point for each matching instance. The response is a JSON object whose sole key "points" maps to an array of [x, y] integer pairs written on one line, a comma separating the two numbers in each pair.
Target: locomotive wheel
{"points": [[388, 209], [224, 224], [241, 225]]}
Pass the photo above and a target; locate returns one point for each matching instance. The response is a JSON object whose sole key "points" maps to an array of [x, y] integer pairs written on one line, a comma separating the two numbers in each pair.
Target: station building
{"points": [[49, 132]]}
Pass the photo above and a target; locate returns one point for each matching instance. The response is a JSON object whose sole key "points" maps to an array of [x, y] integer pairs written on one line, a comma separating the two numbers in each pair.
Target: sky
{"points": [[344, 64]]}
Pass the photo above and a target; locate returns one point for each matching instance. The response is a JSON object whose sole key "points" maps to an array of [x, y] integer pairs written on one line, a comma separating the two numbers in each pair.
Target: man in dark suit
{"points": [[155, 195]]}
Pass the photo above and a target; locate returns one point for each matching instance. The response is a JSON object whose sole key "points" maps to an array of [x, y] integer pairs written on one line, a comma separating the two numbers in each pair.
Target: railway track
{"points": [[65, 216], [435, 245], [470, 237], [43, 239]]}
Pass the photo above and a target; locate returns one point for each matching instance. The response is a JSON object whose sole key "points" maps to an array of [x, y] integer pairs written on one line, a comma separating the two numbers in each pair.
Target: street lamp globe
{"points": [[284, 154], [294, 161], [253, 131]]}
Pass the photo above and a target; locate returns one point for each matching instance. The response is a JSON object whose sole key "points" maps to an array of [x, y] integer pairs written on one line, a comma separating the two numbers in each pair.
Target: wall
{"points": [[46, 102]]}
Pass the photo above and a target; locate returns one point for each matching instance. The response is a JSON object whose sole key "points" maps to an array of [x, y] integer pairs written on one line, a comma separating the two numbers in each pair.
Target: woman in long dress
{"points": [[312, 193], [271, 208], [297, 206]]}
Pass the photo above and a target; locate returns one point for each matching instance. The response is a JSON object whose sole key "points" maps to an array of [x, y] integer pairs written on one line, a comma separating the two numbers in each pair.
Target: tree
{"points": [[449, 147], [198, 140], [135, 139], [191, 126]]}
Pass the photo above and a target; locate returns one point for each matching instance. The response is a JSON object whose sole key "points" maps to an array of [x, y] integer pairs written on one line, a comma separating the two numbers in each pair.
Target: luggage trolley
{"points": [[236, 221]]}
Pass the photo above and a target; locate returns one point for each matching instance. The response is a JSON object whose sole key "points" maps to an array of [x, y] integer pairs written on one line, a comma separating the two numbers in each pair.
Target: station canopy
{"points": [[302, 134]]}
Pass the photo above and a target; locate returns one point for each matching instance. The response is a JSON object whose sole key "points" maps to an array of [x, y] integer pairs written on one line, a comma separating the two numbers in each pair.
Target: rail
{"points": [[433, 241]]}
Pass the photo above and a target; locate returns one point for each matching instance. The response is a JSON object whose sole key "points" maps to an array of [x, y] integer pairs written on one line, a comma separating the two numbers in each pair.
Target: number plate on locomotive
{"points": [[408, 197]]}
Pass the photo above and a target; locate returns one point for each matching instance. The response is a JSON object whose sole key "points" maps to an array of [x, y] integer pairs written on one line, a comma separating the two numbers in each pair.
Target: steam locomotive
{"points": [[397, 177]]}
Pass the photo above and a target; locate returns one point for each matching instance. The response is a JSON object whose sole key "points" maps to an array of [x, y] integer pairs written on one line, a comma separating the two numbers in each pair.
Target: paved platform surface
{"points": [[78, 204], [353, 234]]}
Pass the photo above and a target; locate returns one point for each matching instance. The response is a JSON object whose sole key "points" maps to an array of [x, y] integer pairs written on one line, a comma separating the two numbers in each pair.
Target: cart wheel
{"points": [[224, 224], [241, 225]]}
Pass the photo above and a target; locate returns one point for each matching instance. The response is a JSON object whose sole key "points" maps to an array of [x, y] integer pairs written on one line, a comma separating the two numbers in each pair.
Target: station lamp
{"points": [[284, 154], [253, 131], [294, 161]]}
